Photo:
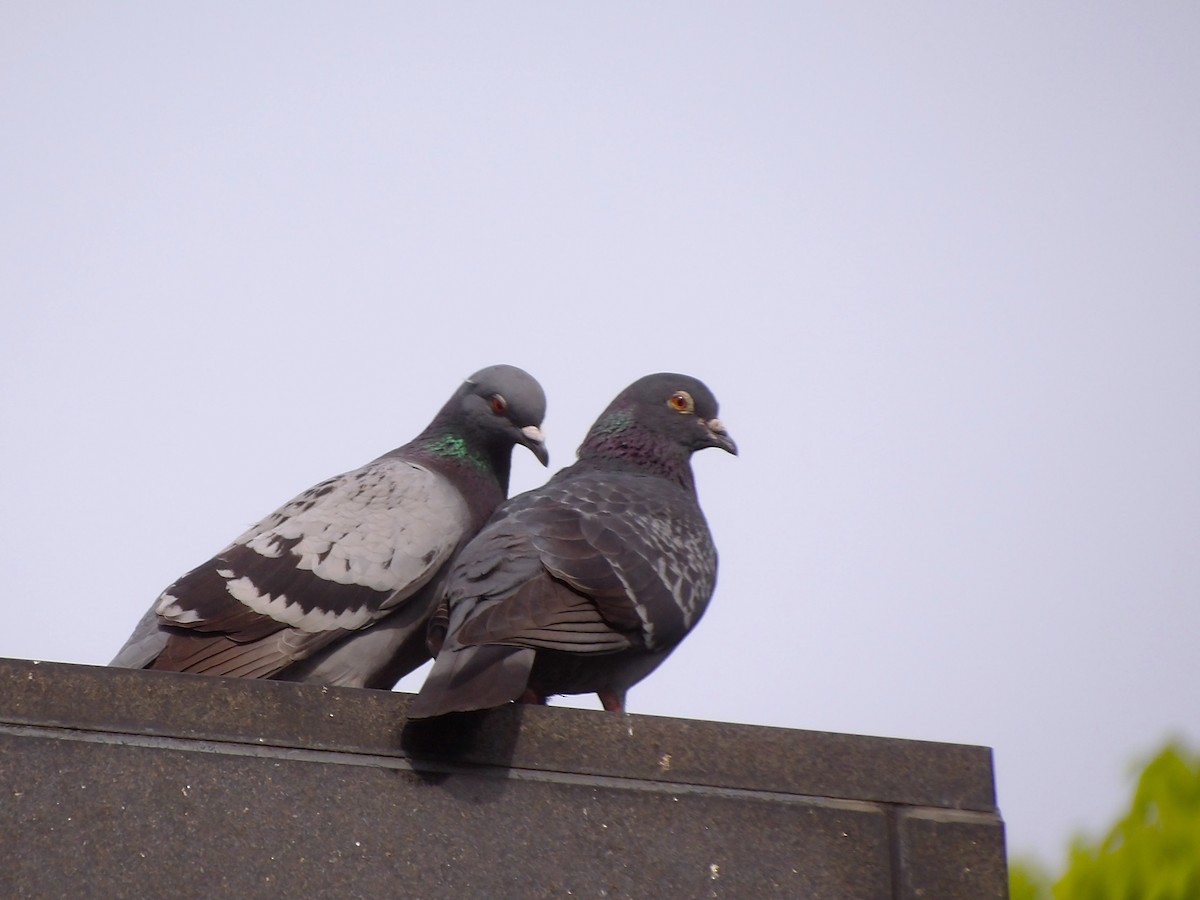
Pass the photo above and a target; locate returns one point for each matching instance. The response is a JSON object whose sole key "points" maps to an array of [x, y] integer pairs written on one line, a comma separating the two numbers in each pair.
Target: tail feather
{"points": [[473, 678], [144, 645]]}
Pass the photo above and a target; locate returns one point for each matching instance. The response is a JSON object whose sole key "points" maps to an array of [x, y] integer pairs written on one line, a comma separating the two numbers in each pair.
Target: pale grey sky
{"points": [[940, 263]]}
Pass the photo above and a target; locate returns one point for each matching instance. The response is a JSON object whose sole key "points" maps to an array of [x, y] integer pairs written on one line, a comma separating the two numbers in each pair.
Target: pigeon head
{"points": [[500, 406], [664, 417]]}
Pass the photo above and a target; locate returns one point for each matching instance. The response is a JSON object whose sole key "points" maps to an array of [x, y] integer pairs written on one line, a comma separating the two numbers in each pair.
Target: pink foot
{"points": [[612, 701]]}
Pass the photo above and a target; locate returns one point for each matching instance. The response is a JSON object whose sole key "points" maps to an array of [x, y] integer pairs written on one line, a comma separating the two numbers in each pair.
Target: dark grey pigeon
{"points": [[336, 586], [587, 583]]}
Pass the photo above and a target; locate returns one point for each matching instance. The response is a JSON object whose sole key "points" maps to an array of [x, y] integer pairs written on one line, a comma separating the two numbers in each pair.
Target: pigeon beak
{"points": [[532, 437], [718, 437]]}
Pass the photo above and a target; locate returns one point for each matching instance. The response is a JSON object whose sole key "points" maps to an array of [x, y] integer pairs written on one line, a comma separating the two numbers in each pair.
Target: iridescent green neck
{"points": [[451, 446], [614, 423]]}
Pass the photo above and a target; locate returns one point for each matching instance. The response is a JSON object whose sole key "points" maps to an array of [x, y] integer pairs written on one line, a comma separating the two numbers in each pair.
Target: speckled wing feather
{"points": [[622, 560], [615, 566], [337, 558]]}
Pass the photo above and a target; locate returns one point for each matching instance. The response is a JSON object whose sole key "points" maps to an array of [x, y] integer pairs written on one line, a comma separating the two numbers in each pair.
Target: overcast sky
{"points": [[939, 263]]}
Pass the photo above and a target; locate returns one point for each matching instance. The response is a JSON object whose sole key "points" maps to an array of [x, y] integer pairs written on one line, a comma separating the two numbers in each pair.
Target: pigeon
{"points": [[337, 585], [586, 584]]}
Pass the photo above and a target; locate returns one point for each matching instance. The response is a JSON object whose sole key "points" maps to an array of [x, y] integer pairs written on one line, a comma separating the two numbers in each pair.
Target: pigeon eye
{"points": [[499, 405], [681, 401]]}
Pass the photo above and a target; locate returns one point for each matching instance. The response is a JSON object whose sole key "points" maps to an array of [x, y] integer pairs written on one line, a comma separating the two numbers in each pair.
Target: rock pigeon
{"points": [[587, 583], [337, 585]]}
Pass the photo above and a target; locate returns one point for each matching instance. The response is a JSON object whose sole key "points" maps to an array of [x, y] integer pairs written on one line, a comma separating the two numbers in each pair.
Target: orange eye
{"points": [[499, 405], [681, 401]]}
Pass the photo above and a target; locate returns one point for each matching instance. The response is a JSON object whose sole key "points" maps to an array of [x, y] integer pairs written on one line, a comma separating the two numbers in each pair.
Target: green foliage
{"points": [[1027, 880], [1151, 853]]}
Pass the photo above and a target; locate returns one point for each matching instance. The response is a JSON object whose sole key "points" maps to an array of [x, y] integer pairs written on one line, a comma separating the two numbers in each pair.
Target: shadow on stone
{"points": [[483, 737]]}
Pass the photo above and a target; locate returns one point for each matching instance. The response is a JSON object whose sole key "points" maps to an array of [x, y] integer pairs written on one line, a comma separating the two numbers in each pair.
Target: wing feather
{"points": [[597, 576], [336, 558]]}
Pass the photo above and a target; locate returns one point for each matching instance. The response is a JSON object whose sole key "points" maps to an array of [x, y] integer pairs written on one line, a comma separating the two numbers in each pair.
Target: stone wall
{"points": [[117, 783]]}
